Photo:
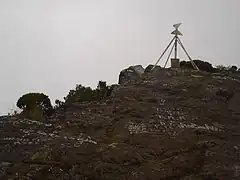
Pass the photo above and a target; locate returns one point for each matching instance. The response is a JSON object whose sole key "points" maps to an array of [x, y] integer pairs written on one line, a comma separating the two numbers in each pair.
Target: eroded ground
{"points": [[166, 126]]}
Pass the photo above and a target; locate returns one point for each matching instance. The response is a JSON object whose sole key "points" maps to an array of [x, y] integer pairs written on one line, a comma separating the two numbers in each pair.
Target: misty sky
{"points": [[51, 45]]}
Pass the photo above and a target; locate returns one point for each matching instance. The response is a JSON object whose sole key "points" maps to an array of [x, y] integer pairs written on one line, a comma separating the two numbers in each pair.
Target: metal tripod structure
{"points": [[176, 41]]}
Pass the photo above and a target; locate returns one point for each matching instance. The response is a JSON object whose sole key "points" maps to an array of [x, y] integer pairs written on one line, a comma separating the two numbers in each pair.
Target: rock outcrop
{"points": [[131, 73], [164, 125]]}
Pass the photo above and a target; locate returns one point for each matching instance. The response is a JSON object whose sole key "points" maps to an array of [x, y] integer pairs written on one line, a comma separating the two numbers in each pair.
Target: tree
{"points": [[102, 85], [102, 89], [58, 103], [33, 101]]}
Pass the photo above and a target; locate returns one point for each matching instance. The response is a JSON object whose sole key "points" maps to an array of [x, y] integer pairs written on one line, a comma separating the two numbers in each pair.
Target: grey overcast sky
{"points": [[51, 45]]}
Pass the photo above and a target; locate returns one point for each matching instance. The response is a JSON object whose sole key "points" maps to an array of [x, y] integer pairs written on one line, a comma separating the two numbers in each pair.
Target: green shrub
{"points": [[32, 101], [234, 68], [202, 65], [58, 103], [86, 94]]}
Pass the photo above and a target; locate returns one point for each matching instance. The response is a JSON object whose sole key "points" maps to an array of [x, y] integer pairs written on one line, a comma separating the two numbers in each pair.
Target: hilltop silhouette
{"points": [[161, 124]]}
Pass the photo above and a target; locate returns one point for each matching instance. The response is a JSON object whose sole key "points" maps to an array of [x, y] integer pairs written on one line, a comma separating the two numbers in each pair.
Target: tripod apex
{"points": [[177, 32]]}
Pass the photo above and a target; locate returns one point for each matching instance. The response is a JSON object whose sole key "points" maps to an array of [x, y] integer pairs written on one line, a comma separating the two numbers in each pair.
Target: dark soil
{"points": [[168, 125]]}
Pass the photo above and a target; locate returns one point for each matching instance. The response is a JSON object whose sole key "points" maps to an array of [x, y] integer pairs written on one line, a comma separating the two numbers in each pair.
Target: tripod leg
{"points": [[193, 64], [169, 56], [163, 54]]}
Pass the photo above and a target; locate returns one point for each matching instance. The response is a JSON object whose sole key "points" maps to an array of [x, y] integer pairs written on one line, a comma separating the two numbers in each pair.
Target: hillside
{"points": [[169, 124]]}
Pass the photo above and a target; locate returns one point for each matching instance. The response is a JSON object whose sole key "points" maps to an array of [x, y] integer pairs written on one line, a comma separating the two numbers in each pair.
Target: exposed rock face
{"points": [[166, 125], [131, 73], [149, 68]]}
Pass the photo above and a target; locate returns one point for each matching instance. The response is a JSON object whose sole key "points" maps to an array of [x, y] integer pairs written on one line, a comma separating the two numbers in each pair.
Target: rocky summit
{"points": [[168, 124]]}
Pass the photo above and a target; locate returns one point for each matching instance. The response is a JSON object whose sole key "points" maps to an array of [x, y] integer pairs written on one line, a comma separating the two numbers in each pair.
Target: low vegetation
{"points": [[38, 105], [208, 67], [35, 105], [87, 94]]}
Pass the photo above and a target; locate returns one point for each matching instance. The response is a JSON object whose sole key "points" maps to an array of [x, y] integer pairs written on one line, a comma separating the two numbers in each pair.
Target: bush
{"points": [[185, 64], [202, 65], [220, 68], [86, 94], [80, 94], [32, 101], [233, 68], [58, 103]]}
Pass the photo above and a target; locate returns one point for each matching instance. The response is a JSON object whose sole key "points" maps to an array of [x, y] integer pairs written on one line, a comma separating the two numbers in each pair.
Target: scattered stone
{"points": [[168, 124]]}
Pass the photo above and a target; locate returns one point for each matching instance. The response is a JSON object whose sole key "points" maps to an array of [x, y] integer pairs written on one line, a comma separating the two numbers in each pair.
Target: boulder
{"points": [[149, 68], [131, 73]]}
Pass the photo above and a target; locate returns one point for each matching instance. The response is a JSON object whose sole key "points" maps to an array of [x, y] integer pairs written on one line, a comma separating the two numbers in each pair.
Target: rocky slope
{"points": [[170, 124]]}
